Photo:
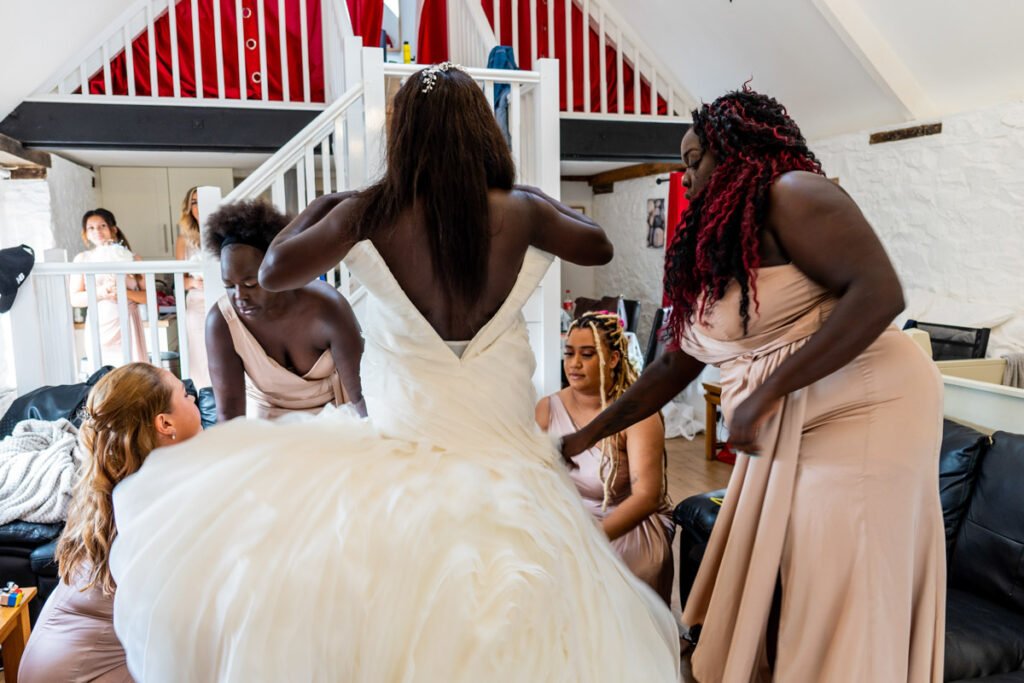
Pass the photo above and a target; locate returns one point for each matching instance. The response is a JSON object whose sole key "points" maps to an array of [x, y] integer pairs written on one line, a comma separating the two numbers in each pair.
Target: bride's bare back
{"points": [[323, 234], [446, 217]]}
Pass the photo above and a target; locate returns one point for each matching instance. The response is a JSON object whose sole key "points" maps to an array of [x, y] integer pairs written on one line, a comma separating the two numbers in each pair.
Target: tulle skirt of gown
{"points": [[314, 549]]}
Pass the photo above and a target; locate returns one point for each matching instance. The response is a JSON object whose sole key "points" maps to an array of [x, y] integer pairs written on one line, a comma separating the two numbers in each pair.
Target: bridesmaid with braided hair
{"points": [[622, 478], [827, 560]]}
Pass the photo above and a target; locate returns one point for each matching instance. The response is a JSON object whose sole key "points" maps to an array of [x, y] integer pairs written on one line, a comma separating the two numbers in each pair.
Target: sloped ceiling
{"points": [[39, 36], [953, 56], [960, 55]]}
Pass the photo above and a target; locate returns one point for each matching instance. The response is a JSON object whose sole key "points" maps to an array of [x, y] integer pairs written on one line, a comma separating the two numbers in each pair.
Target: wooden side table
{"points": [[712, 399], [14, 630]]}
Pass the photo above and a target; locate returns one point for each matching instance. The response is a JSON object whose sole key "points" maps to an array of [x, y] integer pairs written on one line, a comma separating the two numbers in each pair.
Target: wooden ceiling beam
{"points": [[15, 148], [631, 172]]}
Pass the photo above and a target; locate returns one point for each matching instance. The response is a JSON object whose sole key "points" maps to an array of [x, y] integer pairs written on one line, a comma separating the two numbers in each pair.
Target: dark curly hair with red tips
{"points": [[718, 240]]}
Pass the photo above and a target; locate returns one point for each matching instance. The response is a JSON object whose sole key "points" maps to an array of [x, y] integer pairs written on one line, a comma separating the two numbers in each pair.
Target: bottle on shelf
{"points": [[566, 316]]}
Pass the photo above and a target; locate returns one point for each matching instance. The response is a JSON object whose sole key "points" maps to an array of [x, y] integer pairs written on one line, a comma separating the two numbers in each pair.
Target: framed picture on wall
{"points": [[656, 223]]}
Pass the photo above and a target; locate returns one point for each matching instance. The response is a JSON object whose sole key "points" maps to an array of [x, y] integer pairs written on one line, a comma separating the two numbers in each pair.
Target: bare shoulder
{"points": [[797, 191], [325, 303], [343, 209], [542, 413]]}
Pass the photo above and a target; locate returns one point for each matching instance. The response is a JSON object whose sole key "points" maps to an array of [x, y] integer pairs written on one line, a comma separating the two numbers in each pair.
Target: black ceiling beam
{"points": [[618, 140], [153, 127]]}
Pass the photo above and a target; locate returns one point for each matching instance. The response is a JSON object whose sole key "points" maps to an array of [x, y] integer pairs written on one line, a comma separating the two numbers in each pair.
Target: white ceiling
{"points": [[39, 36], [963, 55], [834, 75], [590, 167], [243, 163]]}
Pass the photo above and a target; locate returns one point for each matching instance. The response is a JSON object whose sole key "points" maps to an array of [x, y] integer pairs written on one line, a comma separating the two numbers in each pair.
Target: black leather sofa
{"points": [[27, 548], [981, 484]]}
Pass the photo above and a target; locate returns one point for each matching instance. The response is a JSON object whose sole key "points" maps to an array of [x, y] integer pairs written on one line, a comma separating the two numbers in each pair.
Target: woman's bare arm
{"points": [[227, 373], [658, 385], [559, 230], [316, 241], [645, 448]]}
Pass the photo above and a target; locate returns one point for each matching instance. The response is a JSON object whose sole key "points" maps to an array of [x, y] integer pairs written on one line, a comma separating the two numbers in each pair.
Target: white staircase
{"points": [[341, 149]]}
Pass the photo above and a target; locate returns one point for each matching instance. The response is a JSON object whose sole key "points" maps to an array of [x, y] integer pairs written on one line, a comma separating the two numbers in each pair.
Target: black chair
{"points": [[659, 336], [951, 342]]}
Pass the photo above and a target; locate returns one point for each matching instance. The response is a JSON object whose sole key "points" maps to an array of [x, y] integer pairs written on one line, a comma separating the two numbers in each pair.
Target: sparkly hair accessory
{"points": [[430, 74]]}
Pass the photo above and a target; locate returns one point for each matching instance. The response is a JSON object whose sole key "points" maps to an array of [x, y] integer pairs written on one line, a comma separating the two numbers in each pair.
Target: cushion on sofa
{"points": [[988, 558], [41, 559], [51, 403], [961, 452], [694, 517], [29, 534], [982, 638]]}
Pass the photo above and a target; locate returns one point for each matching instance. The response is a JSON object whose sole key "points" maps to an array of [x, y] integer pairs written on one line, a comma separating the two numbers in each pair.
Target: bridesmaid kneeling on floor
{"points": [[130, 412], [622, 479]]}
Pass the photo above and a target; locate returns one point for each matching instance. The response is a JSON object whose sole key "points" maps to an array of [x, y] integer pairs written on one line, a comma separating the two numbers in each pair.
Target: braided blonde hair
{"points": [[119, 431], [609, 330]]}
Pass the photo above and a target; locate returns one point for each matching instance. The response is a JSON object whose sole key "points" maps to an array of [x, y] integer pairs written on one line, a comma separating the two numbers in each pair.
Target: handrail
{"points": [[294, 148], [479, 74], [113, 267]]}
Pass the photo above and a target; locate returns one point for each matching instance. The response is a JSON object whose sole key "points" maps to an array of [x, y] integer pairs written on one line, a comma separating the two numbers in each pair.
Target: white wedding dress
{"points": [[439, 541]]}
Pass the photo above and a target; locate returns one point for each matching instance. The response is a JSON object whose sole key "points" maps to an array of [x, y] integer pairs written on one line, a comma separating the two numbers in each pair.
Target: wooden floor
{"points": [[689, 473]]}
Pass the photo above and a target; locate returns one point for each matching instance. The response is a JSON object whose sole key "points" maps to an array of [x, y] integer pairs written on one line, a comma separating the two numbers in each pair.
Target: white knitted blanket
{"points": [[39, 464]]}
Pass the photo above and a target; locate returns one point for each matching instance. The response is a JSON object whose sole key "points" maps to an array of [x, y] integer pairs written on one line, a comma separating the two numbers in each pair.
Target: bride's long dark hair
{"points": [[445, 151]]}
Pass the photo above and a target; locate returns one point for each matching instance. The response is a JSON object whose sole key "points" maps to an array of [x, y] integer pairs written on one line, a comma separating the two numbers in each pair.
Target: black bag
{"points": [[51, 403]]}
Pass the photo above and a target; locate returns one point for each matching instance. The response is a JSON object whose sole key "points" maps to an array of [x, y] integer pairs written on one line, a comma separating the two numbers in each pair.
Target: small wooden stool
{"points": [[712, 399], [14, 630]]}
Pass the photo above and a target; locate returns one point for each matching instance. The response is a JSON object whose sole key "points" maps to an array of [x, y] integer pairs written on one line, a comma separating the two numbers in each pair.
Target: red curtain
{"points": [[367, 20], [432, 41], [250, 66], [677, 204], [525, 61]]}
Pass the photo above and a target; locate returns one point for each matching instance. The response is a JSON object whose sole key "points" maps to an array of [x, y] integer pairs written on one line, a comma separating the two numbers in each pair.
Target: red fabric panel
{"points": [[367, 20], [229, 41], [525, 61], [677, 204], [432, 41]]}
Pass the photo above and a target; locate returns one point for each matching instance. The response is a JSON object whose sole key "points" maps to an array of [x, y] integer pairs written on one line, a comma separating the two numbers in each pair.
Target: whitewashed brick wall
{"points": [[949, 207], [636, 271], [42, 214], [950, 210]]}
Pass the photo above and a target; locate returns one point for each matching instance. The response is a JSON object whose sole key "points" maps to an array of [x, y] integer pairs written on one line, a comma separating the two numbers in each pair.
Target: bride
{"points": [[440, 540]]}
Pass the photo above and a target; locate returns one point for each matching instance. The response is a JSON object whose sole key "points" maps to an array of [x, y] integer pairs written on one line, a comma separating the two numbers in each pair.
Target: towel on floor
{"points": [[1013, 375], [39, 465]]}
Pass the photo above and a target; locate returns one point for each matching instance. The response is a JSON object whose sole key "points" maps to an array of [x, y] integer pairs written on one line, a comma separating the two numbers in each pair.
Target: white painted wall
{"points": [[42, 214], [636, 271], [579, 280], [950, 210], [71, 195]]}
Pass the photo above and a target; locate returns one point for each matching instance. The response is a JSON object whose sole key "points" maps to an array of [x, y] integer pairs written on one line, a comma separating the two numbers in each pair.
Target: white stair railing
{"points": [[325, 157], [470, 37], [50, 348], [158, 22]]}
